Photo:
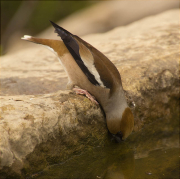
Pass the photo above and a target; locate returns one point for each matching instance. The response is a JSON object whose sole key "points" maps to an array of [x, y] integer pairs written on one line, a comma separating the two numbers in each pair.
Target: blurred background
{"points": [[79, 17], [32, 17]]}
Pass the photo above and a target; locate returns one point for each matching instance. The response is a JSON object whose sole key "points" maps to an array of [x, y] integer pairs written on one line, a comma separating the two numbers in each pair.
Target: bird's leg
{"points": [[88, 95]]}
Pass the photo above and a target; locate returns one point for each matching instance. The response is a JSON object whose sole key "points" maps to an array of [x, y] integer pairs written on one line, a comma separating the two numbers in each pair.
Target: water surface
{"points": [[151, 153]]}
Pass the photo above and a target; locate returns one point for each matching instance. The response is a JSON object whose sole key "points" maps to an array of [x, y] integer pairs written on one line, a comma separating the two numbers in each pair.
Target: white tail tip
{"points": [[26, 37]]}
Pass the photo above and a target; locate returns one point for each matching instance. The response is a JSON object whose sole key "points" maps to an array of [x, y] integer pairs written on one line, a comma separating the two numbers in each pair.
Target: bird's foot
{"points": [[88, 95]]}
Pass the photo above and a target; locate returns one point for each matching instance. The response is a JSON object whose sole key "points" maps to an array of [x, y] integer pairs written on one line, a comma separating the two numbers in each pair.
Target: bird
{"points": [[91, 73]]}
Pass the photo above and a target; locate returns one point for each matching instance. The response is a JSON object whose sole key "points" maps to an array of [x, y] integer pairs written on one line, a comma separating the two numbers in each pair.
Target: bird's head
{"points": [[121, 127]]}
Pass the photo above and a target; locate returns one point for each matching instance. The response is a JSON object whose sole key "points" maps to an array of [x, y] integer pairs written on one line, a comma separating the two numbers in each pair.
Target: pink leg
{"points": [[88, 95]]}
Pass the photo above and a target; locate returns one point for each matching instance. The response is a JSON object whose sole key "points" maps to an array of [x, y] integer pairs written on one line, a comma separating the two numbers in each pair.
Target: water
{"points": [[151, 153]]}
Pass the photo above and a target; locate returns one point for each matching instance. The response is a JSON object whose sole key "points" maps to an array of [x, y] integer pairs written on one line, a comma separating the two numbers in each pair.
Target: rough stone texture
{"points": [[38, 129], [44, 129]]}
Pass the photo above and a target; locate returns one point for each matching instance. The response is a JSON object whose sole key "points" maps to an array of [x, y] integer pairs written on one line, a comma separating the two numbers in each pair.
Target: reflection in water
{"points": [[150, 153], [123, 168]]}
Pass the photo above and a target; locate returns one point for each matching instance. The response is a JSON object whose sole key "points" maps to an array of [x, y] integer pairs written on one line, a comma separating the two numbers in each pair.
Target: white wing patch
{"points": [[88, 60]]}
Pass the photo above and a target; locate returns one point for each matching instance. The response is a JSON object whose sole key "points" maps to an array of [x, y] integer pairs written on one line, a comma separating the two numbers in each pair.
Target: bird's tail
{"points": [[36, 40], [29, 38]]}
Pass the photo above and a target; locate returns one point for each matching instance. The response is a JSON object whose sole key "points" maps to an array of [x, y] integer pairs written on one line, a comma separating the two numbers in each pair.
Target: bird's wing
{"points": [[93, 63], [105, 68]]}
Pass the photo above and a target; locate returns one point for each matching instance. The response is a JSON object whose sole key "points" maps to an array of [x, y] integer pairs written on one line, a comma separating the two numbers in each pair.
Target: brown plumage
{"points": [[91, 70]]}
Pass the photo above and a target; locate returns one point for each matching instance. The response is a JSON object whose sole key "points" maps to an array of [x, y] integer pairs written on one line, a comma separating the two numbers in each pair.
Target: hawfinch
{"points": [[94, 75]]}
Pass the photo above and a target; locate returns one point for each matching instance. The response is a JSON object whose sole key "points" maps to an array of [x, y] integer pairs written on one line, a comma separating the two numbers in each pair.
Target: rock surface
{"points": [[40, 130], [40, 126]]}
